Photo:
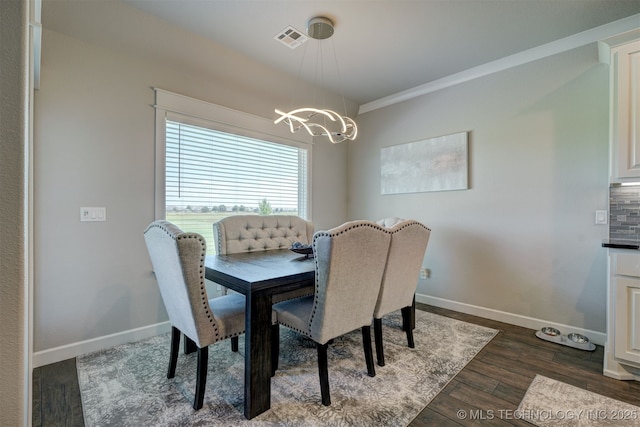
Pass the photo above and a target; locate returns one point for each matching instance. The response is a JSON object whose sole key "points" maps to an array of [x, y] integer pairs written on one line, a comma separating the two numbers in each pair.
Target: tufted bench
{"points": [[248, 233]]}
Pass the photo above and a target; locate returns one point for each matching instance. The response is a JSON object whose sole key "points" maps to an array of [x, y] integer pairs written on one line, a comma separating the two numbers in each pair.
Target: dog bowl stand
{"points": [[564, 340]]}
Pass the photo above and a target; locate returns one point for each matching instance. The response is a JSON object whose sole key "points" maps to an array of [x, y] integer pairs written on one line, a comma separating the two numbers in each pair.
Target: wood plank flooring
{"points": [[490, 387], [56, 396], [495, 381]]}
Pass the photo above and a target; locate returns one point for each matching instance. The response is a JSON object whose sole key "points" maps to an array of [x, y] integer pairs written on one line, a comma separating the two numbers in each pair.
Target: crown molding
{"points": [[593, 35], [607, 45]]}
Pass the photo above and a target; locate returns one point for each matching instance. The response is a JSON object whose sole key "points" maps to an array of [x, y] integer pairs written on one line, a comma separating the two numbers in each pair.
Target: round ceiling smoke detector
{"points": [[320, 28]]}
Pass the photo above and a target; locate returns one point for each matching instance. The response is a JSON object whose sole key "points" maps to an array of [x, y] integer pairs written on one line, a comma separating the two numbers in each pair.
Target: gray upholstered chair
{"points": [[178, 262], [409, 241], [389, 222], [248, 233], [350, 262]]}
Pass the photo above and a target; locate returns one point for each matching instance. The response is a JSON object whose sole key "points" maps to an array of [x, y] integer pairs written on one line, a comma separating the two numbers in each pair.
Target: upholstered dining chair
{"points": [[409, 241], [389, 222], [178, 263], [350, 262], [249, 233]]}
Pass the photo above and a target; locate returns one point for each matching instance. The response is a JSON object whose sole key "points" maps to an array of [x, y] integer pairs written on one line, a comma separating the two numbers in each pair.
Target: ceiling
{"points": [[383, 47]]}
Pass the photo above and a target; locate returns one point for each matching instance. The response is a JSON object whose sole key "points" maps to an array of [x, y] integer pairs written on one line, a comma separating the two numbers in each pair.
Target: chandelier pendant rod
{"points": [[320, 121]]}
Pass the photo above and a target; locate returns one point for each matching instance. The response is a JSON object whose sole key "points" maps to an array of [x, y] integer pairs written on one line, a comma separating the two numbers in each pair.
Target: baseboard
{"points": [[69, 351], [595, 337], [614, 369]]}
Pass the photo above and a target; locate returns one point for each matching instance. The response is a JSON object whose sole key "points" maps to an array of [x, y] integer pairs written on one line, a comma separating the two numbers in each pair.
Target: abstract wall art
{"points": [[434, 164]]}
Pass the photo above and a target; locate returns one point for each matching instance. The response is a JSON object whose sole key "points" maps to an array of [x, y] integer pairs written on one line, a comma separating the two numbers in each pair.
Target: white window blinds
{"points": [[212, 170]]}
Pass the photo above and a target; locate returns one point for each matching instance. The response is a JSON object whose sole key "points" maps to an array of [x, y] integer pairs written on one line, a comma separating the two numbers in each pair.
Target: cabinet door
{"points": [[625, 104], [627, 322]]}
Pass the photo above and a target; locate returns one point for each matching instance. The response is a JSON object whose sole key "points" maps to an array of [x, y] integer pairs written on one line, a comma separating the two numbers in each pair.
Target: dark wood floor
{"points": [[494, 382]]}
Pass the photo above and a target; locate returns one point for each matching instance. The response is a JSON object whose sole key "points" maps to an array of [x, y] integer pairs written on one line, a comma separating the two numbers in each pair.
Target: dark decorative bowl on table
{"points": [[301, 248]]}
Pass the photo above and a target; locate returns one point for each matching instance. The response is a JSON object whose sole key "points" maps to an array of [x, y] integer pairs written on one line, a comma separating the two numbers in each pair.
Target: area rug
{"points": [[126, 385], [553, 403]]}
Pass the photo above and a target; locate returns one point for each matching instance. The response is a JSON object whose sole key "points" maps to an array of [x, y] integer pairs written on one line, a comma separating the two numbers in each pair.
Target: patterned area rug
{"points": [[553, 403], [126, 385]]}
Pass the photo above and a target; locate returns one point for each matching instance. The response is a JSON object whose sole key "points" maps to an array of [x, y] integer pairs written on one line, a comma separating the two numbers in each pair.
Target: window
{"points": [[211, 174], [211, 170]]}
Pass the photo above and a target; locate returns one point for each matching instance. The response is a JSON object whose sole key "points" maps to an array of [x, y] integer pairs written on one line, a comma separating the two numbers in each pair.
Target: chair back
{"points": [[389, 222], [409, 241], [247, 233], [350, 262], [178, 263]]}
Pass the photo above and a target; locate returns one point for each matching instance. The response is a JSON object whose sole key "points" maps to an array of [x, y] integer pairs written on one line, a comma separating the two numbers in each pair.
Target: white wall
{"points": [[520, 243], [94, 146]]}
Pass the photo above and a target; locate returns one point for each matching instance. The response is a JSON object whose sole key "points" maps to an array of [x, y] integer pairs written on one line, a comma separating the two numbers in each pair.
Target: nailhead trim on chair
{"points": [[327, 234], [305, 333], [407, 224], [203, 291]]}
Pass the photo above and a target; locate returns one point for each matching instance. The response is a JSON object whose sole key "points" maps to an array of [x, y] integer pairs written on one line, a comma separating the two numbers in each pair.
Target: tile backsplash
{"points": [[624, 212]]}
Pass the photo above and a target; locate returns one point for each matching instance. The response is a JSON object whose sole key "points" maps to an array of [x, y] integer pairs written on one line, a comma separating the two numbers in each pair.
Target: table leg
{"points": [[257, 365]]}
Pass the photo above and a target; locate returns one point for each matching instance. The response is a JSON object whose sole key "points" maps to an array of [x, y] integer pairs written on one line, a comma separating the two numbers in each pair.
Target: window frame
{"points": [[196, 112]]}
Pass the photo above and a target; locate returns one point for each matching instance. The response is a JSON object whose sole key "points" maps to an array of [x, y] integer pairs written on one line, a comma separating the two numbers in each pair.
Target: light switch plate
{"points": [[601, 217], [92, 214]]}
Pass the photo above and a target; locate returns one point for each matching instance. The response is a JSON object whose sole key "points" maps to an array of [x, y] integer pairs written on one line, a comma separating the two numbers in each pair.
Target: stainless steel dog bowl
{"points": [[577, 338], [550, 331]]}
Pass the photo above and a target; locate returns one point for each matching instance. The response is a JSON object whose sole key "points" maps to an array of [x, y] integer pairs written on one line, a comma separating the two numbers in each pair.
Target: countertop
{"points": [[621, 244]]}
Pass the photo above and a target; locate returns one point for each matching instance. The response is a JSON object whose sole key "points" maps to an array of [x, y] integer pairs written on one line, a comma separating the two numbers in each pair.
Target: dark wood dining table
{"points": [[259, 275]]}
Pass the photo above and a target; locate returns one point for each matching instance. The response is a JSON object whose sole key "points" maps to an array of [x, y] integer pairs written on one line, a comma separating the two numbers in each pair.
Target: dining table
{"points": [[259, 275]]}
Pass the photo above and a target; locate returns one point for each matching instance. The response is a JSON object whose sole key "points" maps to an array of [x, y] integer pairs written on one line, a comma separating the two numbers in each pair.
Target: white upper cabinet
{"points": [[625, 111]]}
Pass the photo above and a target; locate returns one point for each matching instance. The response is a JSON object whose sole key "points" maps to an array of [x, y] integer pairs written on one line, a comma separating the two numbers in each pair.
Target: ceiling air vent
{"points": [[291, 37]]}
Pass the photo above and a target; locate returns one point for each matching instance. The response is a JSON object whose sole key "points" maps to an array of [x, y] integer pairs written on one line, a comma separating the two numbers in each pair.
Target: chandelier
{"points": [[319, 121]]}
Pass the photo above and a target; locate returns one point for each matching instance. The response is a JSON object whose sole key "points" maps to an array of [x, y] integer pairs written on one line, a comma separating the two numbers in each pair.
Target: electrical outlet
{"points": [[425, 273]]}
